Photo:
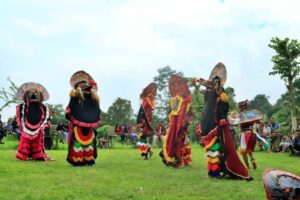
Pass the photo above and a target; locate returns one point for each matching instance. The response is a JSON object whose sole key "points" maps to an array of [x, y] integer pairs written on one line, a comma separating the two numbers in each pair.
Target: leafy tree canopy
{"points": [[120, 112]]}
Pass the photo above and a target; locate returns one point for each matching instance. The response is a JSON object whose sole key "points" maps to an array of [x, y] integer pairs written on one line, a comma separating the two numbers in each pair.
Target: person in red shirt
{"points": [[119, 132], [160, 132]]}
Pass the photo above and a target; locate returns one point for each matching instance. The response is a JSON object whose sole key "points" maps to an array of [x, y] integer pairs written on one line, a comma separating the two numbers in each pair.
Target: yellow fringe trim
{"points": [[213, 160], [83, 142], [81, 159], [166, 157], [89, 158], [212, 142]]}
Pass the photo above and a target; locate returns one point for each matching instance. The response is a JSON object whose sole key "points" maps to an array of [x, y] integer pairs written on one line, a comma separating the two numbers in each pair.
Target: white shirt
{"points": [[267, 131]]}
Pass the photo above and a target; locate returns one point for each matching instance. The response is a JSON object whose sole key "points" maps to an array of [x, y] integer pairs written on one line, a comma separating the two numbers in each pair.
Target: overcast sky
{"points": [[122, 43]]}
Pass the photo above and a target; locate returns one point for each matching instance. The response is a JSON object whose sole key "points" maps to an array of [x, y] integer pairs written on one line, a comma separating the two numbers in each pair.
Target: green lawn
{"points": [[121, 174]]}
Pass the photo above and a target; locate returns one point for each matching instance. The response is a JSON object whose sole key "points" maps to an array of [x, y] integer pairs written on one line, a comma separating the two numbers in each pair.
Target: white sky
{"points": [[122, 43]]}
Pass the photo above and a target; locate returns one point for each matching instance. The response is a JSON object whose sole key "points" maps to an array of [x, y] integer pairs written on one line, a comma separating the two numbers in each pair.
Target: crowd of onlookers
{"points": [[11, 127], [127, 132], [268, 133]]}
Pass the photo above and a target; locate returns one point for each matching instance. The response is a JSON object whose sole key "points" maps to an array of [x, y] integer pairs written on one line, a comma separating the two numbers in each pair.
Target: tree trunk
{"points": [[293, 106]]}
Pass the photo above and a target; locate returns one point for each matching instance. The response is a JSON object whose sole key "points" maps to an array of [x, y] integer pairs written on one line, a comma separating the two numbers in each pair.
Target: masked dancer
{"points": [[84, 115], [32, 116], [144, 119], [176, 149], [222, 158]]}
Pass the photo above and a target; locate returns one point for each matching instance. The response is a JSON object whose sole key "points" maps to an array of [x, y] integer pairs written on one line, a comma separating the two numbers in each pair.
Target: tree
{"points": [[57, 113], [120, 112], [281, 110], [197, 107], [9, 96], [231, 94], [287, 66], [163, 94], [197, 103], [261, 103]]}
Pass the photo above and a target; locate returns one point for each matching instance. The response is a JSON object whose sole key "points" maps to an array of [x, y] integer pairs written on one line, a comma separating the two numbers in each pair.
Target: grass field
{"points": [[121, 174]]}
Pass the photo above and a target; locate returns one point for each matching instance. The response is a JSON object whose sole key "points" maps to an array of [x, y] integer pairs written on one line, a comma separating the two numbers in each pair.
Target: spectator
{"points": [[274, 125], [126, 131], [266, 134], [266, 131], [295, 147], [160, 132], [16, 127], [2, 133], [62, 132], [134, 136], [119, 132], [275, 135], [66, 129], [284, 144]]}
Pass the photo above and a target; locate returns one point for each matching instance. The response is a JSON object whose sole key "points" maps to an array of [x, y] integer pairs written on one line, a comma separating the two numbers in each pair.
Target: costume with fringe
{"points": [[84, 117], [32, 117], [144, 122], [176, 150], [248, 138], [222, 158]]}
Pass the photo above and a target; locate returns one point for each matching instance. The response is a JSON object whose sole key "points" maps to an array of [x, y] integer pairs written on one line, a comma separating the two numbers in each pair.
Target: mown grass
{"points": [[121, 174]]}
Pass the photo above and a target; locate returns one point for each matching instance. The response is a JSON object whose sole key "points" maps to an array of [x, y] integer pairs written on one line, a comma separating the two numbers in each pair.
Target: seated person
{"points": [[2, 133], [134, 136], [295, 147], [284, 144], [119, 132], [16, 127], [126, 131], [62, 130], [160, 132]]}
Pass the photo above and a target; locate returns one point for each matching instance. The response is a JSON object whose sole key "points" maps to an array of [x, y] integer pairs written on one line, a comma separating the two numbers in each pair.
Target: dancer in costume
{"points": [[144, 120], [248, 136], [222, 159], [84, 115], [32, 117], [176, 150]]}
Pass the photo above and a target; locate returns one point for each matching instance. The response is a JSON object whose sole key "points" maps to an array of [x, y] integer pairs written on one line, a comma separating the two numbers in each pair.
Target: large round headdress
{"points": [[150, 89], [178, 86], [82, 76], [219, 71], [31, 86]]}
